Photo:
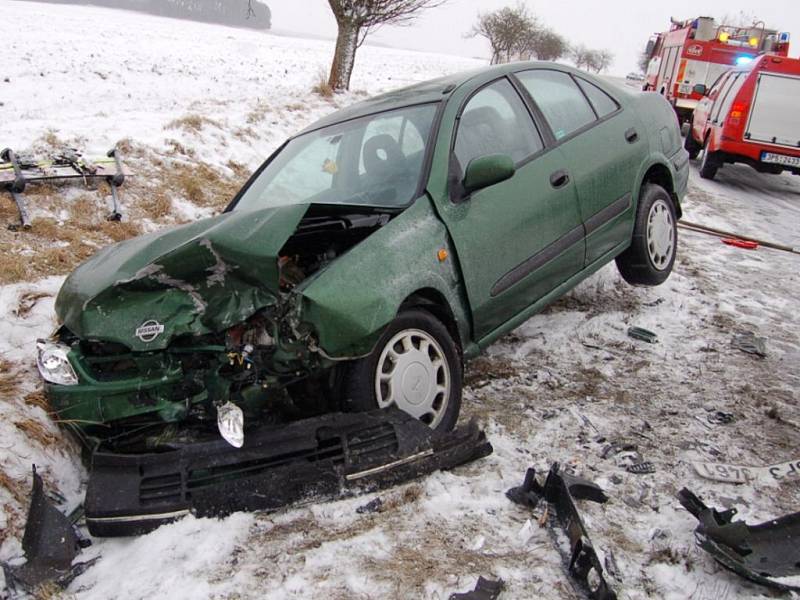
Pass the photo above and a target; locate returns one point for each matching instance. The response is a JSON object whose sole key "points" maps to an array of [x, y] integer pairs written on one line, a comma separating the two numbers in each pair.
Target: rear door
{"points": [[604, 149], [519, 239], [774, 116]]}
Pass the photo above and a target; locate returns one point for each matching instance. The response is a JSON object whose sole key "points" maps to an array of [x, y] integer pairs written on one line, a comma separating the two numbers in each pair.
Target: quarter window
{"points": [[559, 98], [603, 104], [495, 121]]}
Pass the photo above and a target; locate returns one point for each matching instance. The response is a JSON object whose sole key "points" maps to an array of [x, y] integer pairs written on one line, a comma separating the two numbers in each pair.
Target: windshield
{"points": [[374, 161]]}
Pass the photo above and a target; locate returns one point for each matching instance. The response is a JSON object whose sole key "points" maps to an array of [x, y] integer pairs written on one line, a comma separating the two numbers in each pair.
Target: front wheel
{"points": [[692, 146], [710, 164], [650, 257], [415, 366]]}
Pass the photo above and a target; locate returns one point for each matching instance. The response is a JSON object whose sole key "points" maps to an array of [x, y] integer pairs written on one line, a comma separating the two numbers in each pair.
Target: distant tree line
{"points": [[253, 14], [514, 33]]}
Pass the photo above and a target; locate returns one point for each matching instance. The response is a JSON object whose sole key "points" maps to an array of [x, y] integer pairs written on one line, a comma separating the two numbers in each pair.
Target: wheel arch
{"points": [[659, 174], [433, 301]]}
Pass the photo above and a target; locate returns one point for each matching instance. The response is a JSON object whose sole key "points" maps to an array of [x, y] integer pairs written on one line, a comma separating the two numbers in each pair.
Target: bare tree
{"points": [[591, 60], [356, 19], [508, 30], [546, 44]]}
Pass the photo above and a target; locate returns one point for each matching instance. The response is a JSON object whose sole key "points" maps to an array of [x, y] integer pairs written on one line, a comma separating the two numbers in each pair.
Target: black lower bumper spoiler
{"points": [[331, 456]]}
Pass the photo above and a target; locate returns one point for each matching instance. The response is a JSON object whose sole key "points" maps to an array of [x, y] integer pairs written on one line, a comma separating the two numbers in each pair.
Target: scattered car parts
{"points": [[780, 473], [50, 543], [17, 171], [756, 552], [645, 335], [751, 344], [325, 457], [485, 589], [561, 490]]}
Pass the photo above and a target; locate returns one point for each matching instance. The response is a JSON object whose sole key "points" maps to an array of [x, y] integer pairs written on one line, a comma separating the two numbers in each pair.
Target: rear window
{"points": [[603, 104], [564, 106]]}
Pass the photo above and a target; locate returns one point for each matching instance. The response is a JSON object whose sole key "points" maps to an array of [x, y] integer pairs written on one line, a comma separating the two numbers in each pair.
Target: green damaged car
{"points": [[368, 258]]}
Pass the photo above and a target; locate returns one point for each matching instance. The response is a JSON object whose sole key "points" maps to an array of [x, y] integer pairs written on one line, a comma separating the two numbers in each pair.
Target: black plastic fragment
{"points": [[330, 456], [756, 552], [561, 490], [485, 589], [641, 468], [50, 543]]}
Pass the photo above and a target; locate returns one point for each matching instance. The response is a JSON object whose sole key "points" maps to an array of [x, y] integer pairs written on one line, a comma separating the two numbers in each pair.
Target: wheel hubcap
{"points": [[660, 235], [413, 374]]}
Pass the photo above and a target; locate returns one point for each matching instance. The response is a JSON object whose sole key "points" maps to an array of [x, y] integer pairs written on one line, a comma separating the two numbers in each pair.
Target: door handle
{"points": [[631, 136], [559, 179]]}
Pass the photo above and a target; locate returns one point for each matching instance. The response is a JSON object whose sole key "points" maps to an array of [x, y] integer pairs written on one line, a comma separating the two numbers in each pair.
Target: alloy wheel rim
{"points": [[660, 235], [413, 374]]}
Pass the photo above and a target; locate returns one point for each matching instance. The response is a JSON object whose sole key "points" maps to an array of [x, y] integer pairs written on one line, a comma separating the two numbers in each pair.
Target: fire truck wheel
{"points": [[651, 255], [691, 145], [710, 164]]}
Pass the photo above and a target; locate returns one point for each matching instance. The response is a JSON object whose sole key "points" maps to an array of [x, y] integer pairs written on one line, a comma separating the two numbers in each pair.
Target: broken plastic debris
{"points": [[230, 421], [749, 343], [561, 490], [642, 468], [50, 543], [756, 552], [645, 335], [485, 589]]}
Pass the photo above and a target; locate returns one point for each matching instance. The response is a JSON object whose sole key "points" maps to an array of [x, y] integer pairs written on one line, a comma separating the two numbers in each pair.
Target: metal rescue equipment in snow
{"points": [[16, 171], [698, 51]]}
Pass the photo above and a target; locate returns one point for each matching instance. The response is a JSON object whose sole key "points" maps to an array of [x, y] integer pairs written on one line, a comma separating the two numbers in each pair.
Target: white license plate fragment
{"points": [[775, 474], [780, 159]]}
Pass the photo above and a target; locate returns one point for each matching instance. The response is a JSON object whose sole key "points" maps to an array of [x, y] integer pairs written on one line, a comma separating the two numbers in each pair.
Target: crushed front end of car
{"points": [[160, 331]]}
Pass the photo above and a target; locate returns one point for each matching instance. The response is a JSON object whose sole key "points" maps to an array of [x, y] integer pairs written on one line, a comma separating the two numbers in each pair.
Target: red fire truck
{"points": [[698, 51]]}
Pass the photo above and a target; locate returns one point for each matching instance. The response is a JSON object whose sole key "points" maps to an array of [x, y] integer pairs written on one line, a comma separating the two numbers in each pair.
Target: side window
{"points": [[564, 106], [603, 104], [495, 121], [722, 96]]}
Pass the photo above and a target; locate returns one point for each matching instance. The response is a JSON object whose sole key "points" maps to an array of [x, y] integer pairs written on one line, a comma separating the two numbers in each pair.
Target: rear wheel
{"points": [[710, 164], [415, 366], [651, 255]]}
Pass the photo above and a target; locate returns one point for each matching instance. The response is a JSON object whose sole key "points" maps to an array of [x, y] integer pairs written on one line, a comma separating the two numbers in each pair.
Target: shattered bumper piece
{"points": [[485, 589], [50, 543], [756, 552], [561, 490], [331, 456]]}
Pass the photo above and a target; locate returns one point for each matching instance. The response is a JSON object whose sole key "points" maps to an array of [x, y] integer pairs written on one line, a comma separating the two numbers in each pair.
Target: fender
{"points": [[350, 302]]}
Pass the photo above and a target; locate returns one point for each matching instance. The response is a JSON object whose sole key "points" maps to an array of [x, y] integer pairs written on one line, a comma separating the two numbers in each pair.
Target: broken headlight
{"points": [[54, 366]]}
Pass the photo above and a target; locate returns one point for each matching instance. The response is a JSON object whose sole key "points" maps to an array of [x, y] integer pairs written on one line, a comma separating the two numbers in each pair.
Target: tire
{"points": [[710, 163], [692, 146], [650, 257], [414, 342]]}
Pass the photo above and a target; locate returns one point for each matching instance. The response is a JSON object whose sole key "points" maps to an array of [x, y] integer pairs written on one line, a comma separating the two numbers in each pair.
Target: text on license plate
{"points": [[738, 474], [780, 159]]}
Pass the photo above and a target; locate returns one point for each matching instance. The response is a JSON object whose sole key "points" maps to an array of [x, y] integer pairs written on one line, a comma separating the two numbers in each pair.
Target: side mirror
{"points": [[701, 89], [486, 171]]}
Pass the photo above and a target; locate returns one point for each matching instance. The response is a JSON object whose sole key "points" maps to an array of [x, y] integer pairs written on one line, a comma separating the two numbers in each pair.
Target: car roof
{"points": [[434, 90]]}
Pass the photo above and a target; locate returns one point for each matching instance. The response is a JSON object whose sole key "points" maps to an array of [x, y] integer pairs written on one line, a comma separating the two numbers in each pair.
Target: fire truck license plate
{"points": [[780, 159]]}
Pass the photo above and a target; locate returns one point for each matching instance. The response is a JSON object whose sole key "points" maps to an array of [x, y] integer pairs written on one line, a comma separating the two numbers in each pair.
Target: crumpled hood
{"points": [[197, 278]]}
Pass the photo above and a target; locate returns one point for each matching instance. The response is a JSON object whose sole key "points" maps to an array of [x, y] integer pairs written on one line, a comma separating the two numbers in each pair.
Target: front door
{"points": [[519, 239]]}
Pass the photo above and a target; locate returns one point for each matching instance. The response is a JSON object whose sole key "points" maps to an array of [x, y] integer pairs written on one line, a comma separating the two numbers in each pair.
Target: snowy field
{"points": [[560, 388]]}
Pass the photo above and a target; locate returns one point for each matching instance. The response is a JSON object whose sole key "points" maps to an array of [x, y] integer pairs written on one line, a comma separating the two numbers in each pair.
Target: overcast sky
{"points": [[624, 27]]}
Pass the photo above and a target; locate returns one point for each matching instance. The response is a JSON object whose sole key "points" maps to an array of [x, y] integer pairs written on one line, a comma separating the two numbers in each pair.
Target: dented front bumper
{"points": [[334, 455]]}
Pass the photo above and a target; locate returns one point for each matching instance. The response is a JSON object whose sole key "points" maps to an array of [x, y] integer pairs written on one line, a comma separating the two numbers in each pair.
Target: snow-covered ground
{"points": [[560, 388]]}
